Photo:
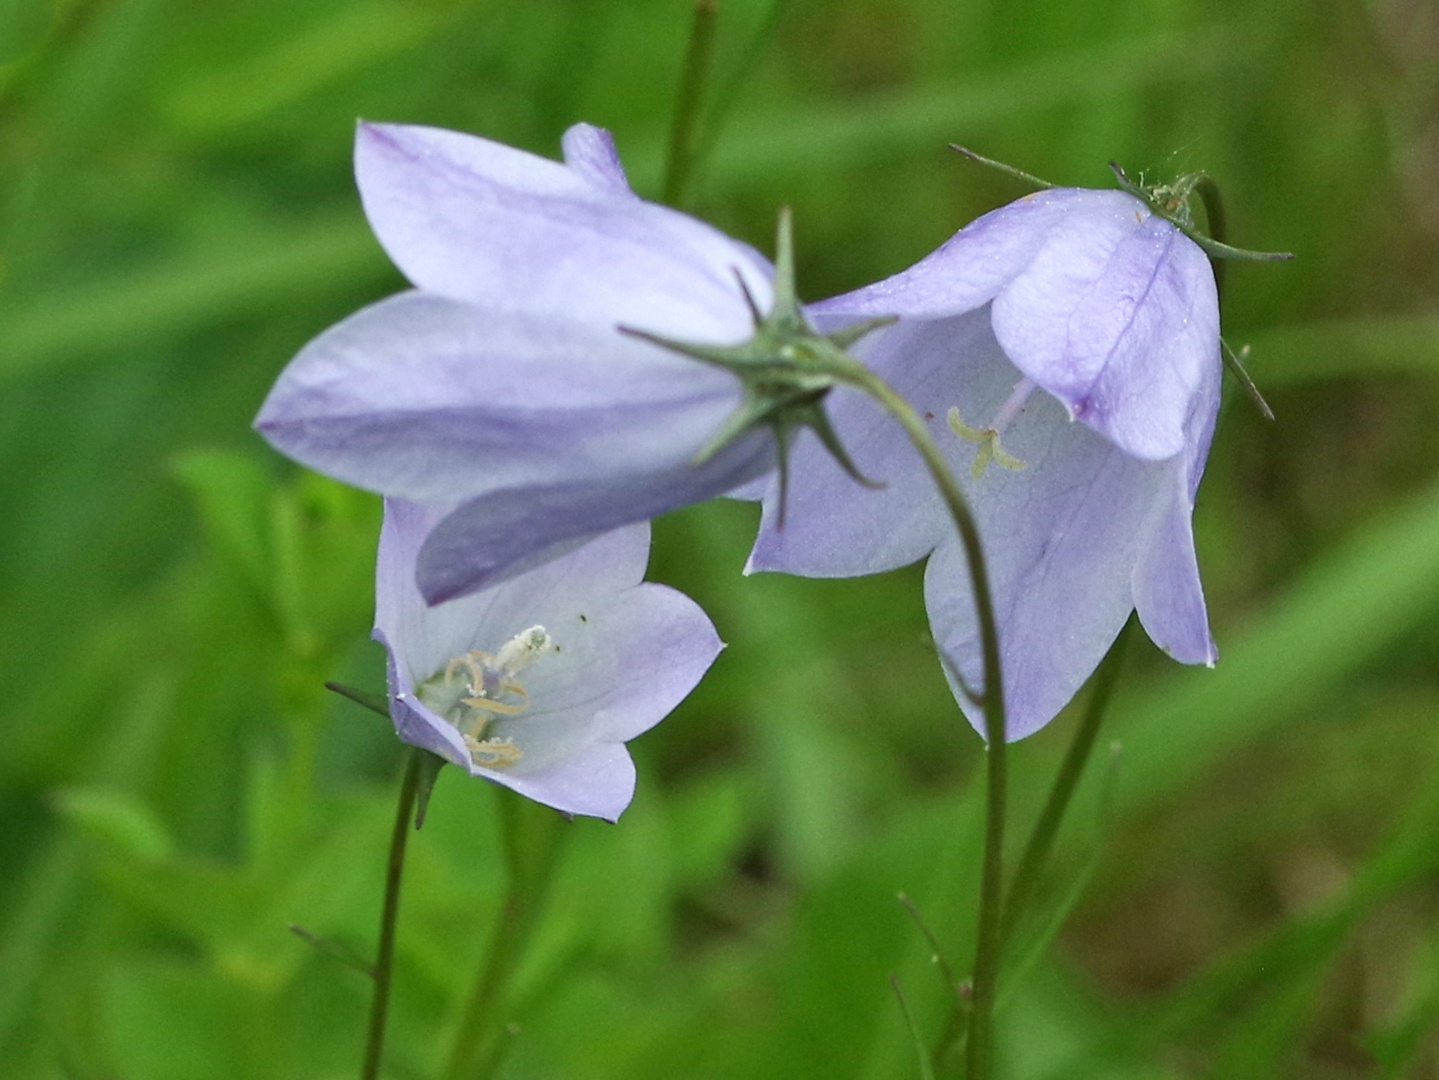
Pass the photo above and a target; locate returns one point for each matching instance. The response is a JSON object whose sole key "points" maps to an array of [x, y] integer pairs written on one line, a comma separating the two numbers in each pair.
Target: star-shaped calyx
{"points": [[786, 369]]}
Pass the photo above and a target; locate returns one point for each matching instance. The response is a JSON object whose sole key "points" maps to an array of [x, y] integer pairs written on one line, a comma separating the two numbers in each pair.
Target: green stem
{"points": [[531, 835], [1041, 840], [980, 1046], [684, 135], [385, 960]]}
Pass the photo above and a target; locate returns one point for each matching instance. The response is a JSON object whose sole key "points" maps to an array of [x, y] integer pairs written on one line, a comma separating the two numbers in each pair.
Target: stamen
{"points": [[988, 437], [484, 681], [493, 753]]}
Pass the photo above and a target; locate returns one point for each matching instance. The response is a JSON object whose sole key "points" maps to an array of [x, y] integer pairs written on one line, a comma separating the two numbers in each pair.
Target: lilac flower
{"points": [[501, 384], [1065, 306], [537, 683]]}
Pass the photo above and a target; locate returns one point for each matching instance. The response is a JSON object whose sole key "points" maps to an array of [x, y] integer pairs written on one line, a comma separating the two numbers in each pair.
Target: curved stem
{"points": [[385, 960], [1036, 851], [530, 836], [980, 1045]]}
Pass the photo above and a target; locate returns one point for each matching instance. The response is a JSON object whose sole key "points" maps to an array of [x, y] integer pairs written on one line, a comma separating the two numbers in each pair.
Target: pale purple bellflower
{"points": [[1065, 353], [501, 384], [538, 682]]}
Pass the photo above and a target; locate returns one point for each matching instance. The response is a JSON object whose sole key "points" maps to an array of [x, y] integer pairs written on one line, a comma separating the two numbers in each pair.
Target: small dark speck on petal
{"points": [[584, 619]]}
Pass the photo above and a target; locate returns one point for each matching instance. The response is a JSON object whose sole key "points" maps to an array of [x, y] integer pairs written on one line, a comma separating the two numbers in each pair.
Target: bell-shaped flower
{"points": [[538, 682], [1064, 351], [501, 383]]}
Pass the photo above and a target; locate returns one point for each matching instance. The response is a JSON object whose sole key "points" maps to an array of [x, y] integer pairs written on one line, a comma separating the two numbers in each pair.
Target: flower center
{"points": [[988, 437], [476, 688]]}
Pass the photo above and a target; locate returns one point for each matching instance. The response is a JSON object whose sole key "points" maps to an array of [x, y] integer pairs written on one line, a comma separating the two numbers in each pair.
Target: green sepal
{"points": [[1235, 364], [1172, 204], [1019, 174], [374, 702], [430, 766], [785, 370]]}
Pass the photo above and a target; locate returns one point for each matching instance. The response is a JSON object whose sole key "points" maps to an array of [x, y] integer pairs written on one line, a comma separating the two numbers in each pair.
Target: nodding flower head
{"points": [[1072, 338]]}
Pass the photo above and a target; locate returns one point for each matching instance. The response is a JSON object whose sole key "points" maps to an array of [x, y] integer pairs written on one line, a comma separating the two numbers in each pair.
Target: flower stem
{"points": [[980, 1045], [531, 836], [385, 960], [684, 135], [1041, 840]]}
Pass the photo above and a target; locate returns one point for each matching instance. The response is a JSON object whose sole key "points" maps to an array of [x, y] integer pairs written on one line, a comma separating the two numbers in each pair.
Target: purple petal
{"points": [[481, 542], [969, 269], [597, 781], [834, 526], [1167, 590], [590, 151], [435, 400], [1109, 308], [1117, 317], [476, 220]]}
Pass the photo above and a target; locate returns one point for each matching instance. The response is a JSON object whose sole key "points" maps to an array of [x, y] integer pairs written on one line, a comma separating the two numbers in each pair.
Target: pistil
{"points": [[988, 437]]}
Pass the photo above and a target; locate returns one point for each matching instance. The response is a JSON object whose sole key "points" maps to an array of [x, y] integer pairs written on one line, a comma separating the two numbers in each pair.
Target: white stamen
{"points": [[487, 690]]}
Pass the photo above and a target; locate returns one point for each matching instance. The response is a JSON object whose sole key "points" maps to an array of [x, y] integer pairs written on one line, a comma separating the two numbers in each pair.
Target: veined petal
{"points": [[476, 220], [835, 527], [483, 541], [1116, 316], [436, 400], [1061, 538], [1167, 590], [597, 780], [968, 270], [1109, 308]]}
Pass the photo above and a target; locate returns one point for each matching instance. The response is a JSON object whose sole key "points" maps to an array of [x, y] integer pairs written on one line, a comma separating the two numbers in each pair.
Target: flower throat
{"points": [[476, 688]]}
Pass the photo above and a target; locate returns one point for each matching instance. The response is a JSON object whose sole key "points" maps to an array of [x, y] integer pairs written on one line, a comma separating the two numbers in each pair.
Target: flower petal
{"points": [[661, 643], [1108, 307], [435, 400], [969, 269], [835, 527], [597, 781], [475, 220], [1117, 316], [487, 538], [590, 151], [1061, 538], [1167, 590]]}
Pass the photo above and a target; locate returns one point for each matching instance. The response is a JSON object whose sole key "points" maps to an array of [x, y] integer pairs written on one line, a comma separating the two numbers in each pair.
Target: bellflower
{"points": [[537, 683], [501, 384], [1064, 351]]}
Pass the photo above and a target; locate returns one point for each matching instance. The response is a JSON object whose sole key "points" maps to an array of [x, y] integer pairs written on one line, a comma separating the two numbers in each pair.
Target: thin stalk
{"points": [[684, 135], [531, 835], [979, 1050], [385, 960], [1041, 840]]}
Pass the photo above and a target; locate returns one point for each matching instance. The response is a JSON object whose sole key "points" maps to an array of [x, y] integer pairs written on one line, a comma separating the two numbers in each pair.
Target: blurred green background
{"points": [[1257, 863]]}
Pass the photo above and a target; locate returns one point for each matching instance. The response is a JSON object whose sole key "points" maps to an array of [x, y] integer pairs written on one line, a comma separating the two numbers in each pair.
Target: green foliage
{"points": [[177, 217]]}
